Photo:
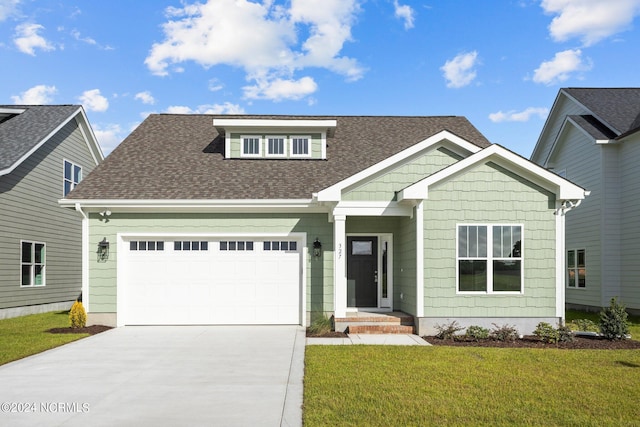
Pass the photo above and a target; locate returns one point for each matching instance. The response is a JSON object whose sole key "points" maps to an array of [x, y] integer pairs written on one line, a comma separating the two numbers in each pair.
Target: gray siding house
{"points": [[592, 137], [44, 153], [204, 219]]}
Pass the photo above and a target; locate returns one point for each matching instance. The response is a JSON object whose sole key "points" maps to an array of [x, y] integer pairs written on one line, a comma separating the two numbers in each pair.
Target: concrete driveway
{"points": [[161, 376]]}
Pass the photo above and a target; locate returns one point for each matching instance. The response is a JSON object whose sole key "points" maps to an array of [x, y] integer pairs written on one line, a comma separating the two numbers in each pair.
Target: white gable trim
{"points": [[334, 193], [564, 190], [241, 124]]}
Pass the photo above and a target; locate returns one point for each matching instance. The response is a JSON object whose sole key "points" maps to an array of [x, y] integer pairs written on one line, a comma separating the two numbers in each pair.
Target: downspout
{"points": [[85, 256]]}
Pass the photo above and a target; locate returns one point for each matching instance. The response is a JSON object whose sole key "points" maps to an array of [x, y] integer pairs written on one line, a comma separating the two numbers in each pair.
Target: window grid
{"points": [[251, 146], [146, 245], [32, 264], [235, 245], [300, 146], [72, 176], [190, 245], [576, 269], [280, 245], [276, 146]]}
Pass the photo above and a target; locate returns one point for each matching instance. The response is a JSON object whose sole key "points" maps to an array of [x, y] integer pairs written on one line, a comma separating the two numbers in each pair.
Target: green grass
{"points": [[463, 386], [634, 321], [23, 336]]}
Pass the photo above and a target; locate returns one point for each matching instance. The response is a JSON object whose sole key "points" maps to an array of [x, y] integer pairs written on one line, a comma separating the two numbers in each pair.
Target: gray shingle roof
{"points": [[619, 108], [23, 132], [182, 157]]}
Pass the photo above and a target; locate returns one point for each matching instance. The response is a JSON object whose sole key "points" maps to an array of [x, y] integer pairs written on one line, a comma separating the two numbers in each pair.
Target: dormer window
{"points": [[251, 146], [300, 146], [276, 146]]}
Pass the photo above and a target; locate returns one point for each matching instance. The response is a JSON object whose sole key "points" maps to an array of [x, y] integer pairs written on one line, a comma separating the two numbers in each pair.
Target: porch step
{"points": [[375, 323]]}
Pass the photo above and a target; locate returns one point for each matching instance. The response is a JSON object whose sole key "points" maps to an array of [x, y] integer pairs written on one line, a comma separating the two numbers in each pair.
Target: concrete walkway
{"points": [[370, 339], [161, 376]]}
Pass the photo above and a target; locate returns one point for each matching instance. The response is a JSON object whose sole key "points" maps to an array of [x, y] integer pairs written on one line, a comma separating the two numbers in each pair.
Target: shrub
{"points": [[547, 333], [564, 333], [321, 325], [448, 331], [504, 333], [585, 325], [613, 321], [77, 315], [477, 333]]}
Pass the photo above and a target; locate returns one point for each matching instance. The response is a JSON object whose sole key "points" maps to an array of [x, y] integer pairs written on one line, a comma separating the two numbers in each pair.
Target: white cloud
{"points": [[37, 95], [404, 12], [8, 8], [215, 85], [226, 108], [108, 136], [93, 101], [459, 71], [281, 89], [261, 38], [560, 67], [589, 20], [145, 97], [27, 39], [519, 116]]}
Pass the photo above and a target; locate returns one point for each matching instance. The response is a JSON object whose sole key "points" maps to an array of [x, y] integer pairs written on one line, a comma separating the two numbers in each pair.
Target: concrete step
{"points": [[380, 328], [375, 323]]}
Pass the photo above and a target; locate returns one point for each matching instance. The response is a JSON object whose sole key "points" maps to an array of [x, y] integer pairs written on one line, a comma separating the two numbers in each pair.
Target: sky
{"points": [[500, 63]]}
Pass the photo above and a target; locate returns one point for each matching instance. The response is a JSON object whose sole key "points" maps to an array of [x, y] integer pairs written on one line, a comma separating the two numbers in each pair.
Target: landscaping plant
{"points": [[477, 333], [77, 315], [448, 331], [320, 325], [504, 333], [548, 333], [613, 321]]}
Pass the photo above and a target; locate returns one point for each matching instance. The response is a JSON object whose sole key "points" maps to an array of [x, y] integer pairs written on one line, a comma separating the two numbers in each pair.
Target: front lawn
{"points": [[424, 386], [23, 336]]}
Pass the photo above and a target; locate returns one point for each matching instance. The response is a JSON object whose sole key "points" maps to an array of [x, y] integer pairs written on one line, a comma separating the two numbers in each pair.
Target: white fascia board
{"points": [[234, 124], [334, 193], [92, 142], [12, 110], [372, 209], [237, 205], [564, 189], [547, 124], [40, 144]]}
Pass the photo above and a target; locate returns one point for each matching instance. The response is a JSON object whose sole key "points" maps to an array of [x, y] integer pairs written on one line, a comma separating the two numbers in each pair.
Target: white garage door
{"points": [[204, 281]]}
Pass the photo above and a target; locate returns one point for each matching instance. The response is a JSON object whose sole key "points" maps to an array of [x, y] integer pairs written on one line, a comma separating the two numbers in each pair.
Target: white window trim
{"points": [[285, 145], [489, 258], [33, 263], [576, 287], [260, 143], [64, 178], [309, 147]]}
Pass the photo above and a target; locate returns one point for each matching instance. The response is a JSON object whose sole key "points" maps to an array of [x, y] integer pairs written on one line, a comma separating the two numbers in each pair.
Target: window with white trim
{"points": [[489, 258], [239, 245], [32, 263], [280, 246], [72, 176], [251, 146], [300, 146], [276, 146], [576, 268], [187, 245]]}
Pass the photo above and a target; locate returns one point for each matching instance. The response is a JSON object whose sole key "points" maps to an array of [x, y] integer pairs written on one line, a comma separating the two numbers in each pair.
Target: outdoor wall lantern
{"points": [[317, 248], [103, 250]]}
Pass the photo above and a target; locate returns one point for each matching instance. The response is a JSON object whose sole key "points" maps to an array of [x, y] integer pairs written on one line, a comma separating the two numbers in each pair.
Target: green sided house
{"points": [[203, 219]]}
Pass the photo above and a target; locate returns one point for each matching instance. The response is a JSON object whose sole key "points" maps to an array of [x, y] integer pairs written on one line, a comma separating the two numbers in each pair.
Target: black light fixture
{"points": [[317, 248], [103, 250]]}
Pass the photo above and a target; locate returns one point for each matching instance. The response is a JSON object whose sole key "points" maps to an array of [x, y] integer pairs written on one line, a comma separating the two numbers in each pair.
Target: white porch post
{"points": [[339, 266], [420, 259], [560, 262]]}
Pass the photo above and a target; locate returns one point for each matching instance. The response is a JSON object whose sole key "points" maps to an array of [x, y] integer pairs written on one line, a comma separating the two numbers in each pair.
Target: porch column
{"points": [[339, 266], [420, 259]]}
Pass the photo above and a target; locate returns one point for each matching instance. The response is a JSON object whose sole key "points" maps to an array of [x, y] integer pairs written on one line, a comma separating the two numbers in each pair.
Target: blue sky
{"points": [[500, 63]]}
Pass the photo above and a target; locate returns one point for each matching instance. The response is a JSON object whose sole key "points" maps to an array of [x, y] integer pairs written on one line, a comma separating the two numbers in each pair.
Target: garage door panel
{"points": [[213, 286]]}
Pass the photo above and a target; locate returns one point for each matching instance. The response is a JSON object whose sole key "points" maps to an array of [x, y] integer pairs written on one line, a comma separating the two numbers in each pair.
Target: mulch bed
{"points": [[332, 334], [587, 343], [91, 330]]}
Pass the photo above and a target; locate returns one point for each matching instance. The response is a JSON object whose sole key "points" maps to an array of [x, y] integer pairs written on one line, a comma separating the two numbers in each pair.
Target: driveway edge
{"points": [[292, 410]]}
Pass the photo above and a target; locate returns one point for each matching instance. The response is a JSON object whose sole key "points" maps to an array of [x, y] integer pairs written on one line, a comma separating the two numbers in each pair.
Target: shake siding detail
{"points": [[319, 280], [489, 195], [384, 187], [582, 159], [630, 227], [29, 199]]}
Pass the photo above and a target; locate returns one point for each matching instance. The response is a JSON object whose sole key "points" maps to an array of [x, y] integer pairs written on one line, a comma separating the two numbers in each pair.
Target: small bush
{"points": [[321, 325], [585, 325], [564, 333], [547, 333], [613, 321], [504, 333], [448, 331], [77, 315], [477, 333]]}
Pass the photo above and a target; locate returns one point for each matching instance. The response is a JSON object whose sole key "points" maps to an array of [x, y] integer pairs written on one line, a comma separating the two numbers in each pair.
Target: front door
{"points": [[362, 271]]}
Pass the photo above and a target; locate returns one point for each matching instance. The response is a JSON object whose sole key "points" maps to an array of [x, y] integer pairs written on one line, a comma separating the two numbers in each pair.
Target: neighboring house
{"points": [[592, 137], [201, 219], [44, 153]]}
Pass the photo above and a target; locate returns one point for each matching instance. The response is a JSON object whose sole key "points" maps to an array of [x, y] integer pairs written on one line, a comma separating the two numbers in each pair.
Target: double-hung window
{"points": [[489, 258], [32, 264], [72, 176], [576, 268], [300, 146], [251, 146], [276, 146]]}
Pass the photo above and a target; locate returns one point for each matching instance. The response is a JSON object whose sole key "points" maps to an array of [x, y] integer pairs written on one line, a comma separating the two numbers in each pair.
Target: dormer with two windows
{"points": [[275, 138]]}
